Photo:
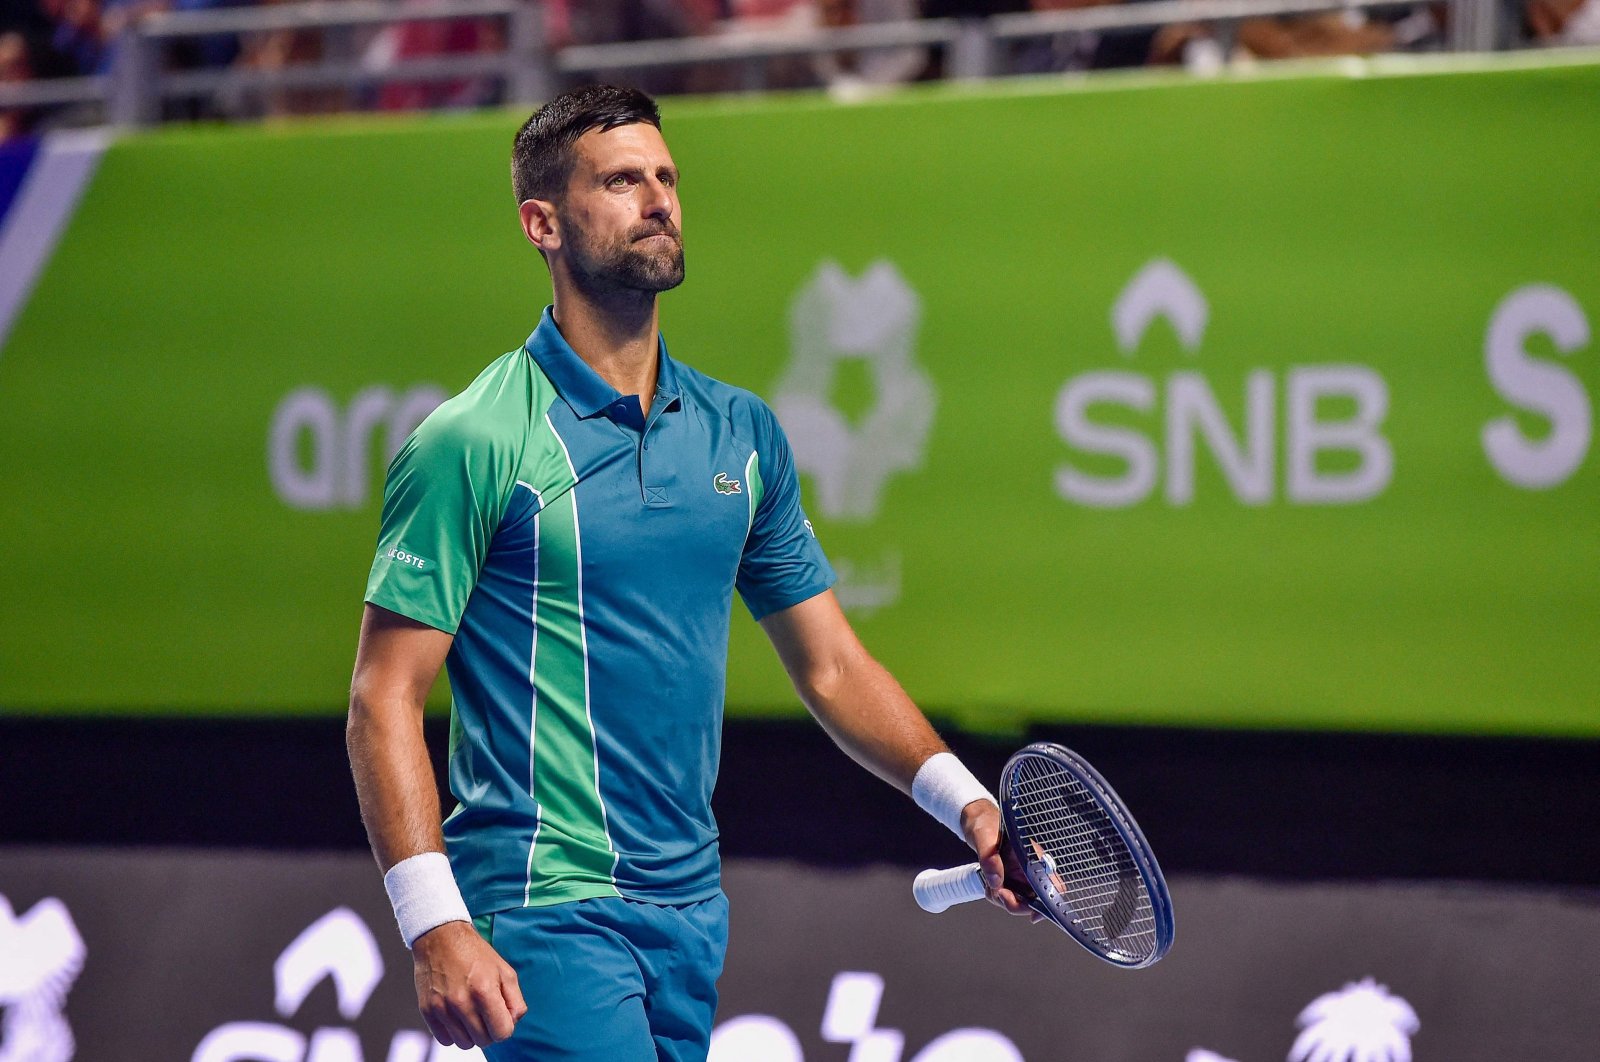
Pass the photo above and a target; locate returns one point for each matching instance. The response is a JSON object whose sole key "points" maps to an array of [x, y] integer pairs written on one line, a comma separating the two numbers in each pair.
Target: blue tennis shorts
{"points": [[612, 980]]}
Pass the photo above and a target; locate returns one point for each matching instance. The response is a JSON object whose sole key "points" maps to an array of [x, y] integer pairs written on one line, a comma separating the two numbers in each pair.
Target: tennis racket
{"points": [[1086, 861]]}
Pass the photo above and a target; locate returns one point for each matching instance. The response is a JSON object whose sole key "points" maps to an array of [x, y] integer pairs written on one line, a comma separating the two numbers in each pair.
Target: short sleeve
{"points": [[442, 502], [783, 564]]}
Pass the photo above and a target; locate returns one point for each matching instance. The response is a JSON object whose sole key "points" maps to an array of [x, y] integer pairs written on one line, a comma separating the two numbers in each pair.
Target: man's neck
{"points": [[617, 335]]}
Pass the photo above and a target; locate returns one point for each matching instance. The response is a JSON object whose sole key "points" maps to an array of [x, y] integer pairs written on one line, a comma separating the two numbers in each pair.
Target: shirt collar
{"points": [[582, 387]]}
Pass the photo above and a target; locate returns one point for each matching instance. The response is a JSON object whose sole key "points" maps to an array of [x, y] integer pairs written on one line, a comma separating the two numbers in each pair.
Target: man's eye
{"points": [[618, 181]]}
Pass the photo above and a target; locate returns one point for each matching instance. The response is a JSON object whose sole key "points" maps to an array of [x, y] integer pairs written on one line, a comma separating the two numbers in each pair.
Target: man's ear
{"points": [[539, 224]]}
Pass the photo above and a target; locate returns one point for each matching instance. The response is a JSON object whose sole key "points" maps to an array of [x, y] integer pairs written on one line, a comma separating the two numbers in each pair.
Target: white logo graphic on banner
{"points": [[41, 955], [1537, 386], [872, 319], [321, 457], [1362, 1022], [1190, 415], [337, 947], [851, 1017], [1160, 289]]}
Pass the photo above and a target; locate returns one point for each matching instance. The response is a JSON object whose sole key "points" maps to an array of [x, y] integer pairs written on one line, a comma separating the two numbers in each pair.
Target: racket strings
{"points": [[1096, 884]]}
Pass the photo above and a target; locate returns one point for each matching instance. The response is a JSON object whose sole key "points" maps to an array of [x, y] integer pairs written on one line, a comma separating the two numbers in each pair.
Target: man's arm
{"points": [[870, 717], [468, 995]]}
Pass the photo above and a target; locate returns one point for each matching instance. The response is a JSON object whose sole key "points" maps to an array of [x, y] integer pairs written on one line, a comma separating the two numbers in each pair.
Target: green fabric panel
{"points": [[571, 854], [445, 492], [752, 477]]}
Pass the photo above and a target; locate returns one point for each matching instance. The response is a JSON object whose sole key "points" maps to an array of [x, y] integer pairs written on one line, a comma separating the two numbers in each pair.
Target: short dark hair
{"points": [[541, 153]]}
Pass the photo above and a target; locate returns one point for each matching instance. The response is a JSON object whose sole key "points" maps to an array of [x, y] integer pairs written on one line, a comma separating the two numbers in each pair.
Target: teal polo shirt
{"points": [[585, 556]]}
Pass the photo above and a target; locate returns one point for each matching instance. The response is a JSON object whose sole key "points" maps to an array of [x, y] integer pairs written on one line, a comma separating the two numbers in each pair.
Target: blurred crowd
{"points": [[56, 38]]}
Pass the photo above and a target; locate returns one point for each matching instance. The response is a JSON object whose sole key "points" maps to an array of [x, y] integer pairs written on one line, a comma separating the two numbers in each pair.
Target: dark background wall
{"points": [[1283, 805]]}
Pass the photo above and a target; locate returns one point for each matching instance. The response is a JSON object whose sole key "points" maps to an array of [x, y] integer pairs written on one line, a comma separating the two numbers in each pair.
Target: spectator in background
{"points": [[77, 34], [87, 31], [971, 8], [852, 74], [938, 63], [1088, 51], [849, 74], [1348, 32], [15, 67], [605, 21], [217, 50], [597, 21], [415, 40], [279, 50], [1563, 22], [115, 17], [24, 17], [1328, 33], [27, 52], [739, 18]]}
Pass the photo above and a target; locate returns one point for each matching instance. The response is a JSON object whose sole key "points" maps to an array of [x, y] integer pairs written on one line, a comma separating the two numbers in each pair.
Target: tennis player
{"points": [[566, 537]]}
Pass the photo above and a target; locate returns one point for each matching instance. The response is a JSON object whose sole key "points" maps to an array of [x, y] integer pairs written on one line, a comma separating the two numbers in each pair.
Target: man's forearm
{"points": [[867, 714], [871, 718], [394, 779], [467, 994]]}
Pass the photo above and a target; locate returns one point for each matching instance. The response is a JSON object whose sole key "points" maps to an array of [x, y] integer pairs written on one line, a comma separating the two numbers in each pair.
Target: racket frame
{"points": [[1144, 859]]}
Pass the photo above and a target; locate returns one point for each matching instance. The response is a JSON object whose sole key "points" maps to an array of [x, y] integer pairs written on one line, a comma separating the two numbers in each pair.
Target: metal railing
{"points": [[139, 84]]}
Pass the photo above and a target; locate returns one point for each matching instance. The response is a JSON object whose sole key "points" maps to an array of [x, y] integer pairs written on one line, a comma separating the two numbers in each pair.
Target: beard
{"points": [[632, 263]]}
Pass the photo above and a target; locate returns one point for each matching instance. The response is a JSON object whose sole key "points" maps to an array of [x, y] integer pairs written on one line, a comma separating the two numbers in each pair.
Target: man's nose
{"points": [[658, 200]]}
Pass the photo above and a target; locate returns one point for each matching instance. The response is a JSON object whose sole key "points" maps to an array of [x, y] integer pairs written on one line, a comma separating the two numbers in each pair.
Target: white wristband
{"points": [[424, 895], [943, 786]]}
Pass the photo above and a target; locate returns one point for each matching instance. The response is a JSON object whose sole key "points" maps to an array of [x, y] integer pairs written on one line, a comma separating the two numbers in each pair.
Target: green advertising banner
{"points": [[1262, 402]]}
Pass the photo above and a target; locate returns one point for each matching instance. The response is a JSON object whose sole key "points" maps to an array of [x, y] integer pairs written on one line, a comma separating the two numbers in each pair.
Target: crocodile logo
{"points": [[725, 485]]}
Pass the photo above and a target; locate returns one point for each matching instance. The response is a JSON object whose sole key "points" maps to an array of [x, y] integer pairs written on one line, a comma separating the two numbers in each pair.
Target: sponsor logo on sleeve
{"points": [[411, 560]]}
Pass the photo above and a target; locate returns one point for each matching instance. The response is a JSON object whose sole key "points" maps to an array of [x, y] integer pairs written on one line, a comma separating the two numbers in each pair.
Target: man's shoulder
{"points": [[747, 411], [496, 409]]}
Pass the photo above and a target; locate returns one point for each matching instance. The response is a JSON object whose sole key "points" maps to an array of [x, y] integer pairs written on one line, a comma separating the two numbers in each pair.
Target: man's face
{"points": [[621, 225]]}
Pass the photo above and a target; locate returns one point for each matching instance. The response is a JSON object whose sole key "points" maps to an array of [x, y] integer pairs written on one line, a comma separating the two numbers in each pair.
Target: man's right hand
{"points": [[467, 993], [1003, 881]]}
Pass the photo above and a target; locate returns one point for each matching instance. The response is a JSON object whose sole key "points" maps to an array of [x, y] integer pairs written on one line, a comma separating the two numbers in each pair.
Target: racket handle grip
{"points": [[939, 890]]}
